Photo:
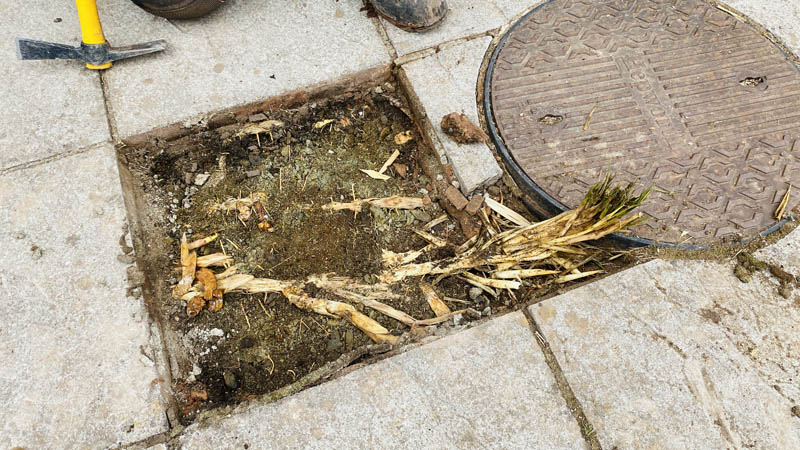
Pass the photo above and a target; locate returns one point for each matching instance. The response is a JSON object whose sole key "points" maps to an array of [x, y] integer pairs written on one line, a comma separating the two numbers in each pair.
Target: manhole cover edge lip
{"points": [[547, 202]]}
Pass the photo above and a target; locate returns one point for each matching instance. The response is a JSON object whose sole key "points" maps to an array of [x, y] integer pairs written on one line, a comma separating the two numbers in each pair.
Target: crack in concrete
{"points": [[51, 158]]}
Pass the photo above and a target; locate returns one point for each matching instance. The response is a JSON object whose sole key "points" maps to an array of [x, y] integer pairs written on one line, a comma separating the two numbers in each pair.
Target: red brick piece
{"points": [[456, 197], [474, 204]]}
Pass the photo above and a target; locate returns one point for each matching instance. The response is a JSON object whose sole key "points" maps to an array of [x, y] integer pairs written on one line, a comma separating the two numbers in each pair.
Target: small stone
{"points": [[187, 177], [785, 290], [230, 380], [378, 90], [421, 215], [474, 204], [487, 311], [126, 259], [334, 343], [458, 319], [201, 179], [494, 191], [456, 197], [286, 151], [37, 252], [456, 184], [257, 117], [796, 410], [253, 173], [348, 339], [472, 314], [475, 293], [401, 169]]}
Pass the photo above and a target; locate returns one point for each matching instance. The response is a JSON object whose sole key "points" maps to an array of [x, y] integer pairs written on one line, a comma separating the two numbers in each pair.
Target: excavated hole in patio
{"points": [[255, 344]]}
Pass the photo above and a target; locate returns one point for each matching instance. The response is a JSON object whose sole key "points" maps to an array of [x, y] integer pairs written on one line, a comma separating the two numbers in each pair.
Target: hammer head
{"points": [[95, 55]]}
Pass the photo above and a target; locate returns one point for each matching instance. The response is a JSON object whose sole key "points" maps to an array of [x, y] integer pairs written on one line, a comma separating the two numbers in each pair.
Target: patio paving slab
{"points": [[78, 368], [454, 70], [465, 18], [241, 53], [487, 387], [680, 354], [785, 253], [48, 106], [781, 17]]}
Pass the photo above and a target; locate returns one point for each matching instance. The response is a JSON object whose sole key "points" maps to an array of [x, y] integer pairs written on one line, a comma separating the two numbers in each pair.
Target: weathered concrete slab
{"points": [[785, 253], [446, 82], [464, 18], [680, 354], [77, 364], [48, 106], [243, 52], [781, 17], [488, 387]]}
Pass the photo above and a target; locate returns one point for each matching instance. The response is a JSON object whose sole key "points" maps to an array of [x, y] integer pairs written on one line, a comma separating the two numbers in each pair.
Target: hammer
{"points": [[94, 50]]}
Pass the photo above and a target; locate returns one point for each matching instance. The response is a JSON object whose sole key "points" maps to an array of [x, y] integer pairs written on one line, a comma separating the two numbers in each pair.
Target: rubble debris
{"points": [[401, 169], [455, 197], [462, 130], [201, 178], [474, 204]]}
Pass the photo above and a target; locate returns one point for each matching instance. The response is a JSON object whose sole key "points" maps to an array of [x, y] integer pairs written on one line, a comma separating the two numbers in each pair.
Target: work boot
{"points": [[412, 15]]}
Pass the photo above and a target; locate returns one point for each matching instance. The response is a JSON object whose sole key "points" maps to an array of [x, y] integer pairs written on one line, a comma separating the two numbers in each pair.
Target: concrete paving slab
{"points": [[785, 253], [77, 362], [454, 71], [48, 106], [680, 354], [781, 17], [243, 52], [487, 387], [464, 18]]}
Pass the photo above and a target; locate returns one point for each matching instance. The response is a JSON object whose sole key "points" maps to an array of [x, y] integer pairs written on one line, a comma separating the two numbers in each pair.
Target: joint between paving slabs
{"points": [[587, 428], [429, 51], [379, 26], [112, 126]]}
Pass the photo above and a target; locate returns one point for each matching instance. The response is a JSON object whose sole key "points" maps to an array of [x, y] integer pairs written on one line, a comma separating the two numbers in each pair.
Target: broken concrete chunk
{"points": [[253, 173], [201, 179], [474, 204], [462, 130], [456, 197]]}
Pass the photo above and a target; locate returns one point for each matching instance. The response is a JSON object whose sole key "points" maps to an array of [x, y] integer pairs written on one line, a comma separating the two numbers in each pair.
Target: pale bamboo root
{"points": [[395, 202]]}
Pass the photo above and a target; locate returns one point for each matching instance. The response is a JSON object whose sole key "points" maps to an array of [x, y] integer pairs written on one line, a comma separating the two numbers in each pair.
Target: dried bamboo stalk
{"points": [[383, 308], [395, 202], [373, 329], [437, 305]]}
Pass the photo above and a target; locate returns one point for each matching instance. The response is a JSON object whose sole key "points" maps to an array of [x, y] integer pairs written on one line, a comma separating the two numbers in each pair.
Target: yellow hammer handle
{"points": [[91, 30]]}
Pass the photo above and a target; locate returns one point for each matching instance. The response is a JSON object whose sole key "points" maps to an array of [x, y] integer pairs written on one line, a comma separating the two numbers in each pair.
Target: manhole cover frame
{"points": [[545, 205]]}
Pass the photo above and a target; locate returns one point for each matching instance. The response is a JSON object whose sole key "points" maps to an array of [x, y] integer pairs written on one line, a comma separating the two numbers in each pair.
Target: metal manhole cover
{"points": [[674, 93]]}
